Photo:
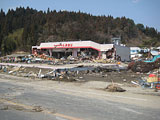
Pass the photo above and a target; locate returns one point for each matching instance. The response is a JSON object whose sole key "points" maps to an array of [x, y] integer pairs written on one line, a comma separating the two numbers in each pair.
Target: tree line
{"points": [[24, 27]]}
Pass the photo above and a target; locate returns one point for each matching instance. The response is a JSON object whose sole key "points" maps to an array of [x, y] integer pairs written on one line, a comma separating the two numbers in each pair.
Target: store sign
{"points": [[63, 45]]}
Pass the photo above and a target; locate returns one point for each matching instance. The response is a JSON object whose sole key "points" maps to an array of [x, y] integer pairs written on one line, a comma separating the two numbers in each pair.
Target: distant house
{"points": [[135, 52], [155, 51]]}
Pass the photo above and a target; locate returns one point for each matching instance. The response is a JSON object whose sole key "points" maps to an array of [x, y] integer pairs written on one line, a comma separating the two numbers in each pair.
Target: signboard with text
{"points": [[63, 45]]}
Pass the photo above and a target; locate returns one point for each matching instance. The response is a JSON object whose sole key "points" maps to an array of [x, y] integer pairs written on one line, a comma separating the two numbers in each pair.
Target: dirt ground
{"points": [[90, 79], [118, 77]]}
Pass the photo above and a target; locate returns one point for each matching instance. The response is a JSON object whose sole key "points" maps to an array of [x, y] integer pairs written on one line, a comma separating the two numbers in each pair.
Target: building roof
{"points": [[76, 44], [135, 48]]}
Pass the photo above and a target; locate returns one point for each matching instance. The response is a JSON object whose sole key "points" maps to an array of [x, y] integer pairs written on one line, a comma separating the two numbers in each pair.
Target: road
{"points": [[22, 100]]}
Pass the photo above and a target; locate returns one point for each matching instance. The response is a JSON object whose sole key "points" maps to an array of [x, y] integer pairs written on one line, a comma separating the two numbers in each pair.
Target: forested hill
{"points": [[24, 27]]}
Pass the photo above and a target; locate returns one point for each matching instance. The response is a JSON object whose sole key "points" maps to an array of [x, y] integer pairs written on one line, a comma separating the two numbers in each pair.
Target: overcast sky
{"points": [[146, 12]]}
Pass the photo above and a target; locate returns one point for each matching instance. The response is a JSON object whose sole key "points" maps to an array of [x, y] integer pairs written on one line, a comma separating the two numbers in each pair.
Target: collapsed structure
{"points": [[83, 49]]}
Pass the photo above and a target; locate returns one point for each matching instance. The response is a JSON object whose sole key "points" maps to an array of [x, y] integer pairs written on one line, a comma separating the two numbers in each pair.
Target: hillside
{"points": [[22, 28]]}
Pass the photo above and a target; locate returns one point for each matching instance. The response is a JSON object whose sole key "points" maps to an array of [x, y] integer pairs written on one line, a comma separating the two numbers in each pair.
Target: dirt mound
{"points": [[114, 88]]}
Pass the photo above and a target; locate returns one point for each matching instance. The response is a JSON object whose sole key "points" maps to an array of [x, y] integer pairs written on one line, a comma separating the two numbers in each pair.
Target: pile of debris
{"points": [[70, 75], [145, 66], [46, 59], [114, 88]]}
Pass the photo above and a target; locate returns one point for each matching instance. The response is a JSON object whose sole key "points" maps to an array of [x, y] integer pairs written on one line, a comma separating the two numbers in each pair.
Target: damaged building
{"points": [[83, 49]]}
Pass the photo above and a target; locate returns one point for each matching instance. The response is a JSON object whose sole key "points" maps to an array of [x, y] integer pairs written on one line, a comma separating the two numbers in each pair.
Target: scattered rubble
{"points": [[81, 74], [60, 74], [115, 70]]}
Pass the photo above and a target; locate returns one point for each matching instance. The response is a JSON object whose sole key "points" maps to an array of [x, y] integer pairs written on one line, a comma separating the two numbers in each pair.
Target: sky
{"points": [[141, 11]]}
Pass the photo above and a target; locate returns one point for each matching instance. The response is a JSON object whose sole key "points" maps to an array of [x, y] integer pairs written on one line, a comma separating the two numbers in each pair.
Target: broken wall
{"points": [[123, 52]]}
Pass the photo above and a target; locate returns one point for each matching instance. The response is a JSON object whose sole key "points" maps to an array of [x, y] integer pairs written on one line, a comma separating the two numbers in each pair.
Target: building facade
{"points": [[81, 48]]}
